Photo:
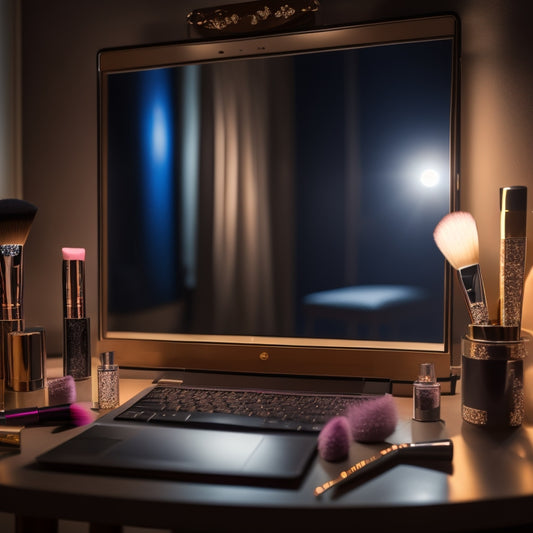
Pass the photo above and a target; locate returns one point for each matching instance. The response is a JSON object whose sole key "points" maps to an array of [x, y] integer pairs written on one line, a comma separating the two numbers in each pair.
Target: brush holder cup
{"points": [[492, 376]]}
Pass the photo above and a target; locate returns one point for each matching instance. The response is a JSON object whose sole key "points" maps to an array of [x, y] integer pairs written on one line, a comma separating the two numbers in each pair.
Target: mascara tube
{"points": [[76, 326], [513, 215]]}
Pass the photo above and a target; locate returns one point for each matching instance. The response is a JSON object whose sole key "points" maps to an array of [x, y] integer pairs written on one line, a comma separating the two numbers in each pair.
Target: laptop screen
{"points": [[268, 202]]}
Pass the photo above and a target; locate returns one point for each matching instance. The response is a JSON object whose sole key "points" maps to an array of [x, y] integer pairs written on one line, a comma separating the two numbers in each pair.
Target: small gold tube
{"points": [[11, 437]]}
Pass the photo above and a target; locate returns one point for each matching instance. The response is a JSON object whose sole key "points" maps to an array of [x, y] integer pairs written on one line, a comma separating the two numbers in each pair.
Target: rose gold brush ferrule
{"points": [[73, 289], [513, 218]]}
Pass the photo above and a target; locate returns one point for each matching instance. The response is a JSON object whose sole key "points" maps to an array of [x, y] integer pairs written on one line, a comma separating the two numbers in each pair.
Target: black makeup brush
{"points": [[70, 414], [16, 218]]}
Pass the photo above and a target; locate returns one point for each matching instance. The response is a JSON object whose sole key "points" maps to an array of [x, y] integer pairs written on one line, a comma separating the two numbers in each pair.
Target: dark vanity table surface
{"points": [[488, 485]]}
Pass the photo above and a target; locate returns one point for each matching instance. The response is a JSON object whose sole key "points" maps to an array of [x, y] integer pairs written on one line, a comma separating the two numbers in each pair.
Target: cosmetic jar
{"points": [[26, 360], [426, 395], [492, 376], [108, 385]]}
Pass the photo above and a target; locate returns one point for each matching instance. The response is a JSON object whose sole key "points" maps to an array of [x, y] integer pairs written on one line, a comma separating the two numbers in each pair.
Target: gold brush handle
{"points": [[437, 449], [362, 466]]}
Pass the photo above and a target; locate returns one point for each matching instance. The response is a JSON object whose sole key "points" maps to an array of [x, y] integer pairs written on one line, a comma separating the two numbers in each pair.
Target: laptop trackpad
{"points": [[165, 451]]}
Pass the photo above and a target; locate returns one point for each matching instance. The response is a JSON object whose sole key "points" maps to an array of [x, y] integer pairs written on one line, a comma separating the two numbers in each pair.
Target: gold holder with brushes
{"points": [[492, 374]]}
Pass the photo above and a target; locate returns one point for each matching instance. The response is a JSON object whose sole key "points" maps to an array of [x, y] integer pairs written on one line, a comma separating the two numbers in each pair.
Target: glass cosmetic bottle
{"points": [[426, 395], [108, 386]]}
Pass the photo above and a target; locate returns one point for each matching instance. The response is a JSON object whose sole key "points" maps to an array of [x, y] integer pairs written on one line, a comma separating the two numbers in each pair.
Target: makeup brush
{"points": [[457, 238], [513, 216], [16, 218], [432, 450], [68, 414], [334, 439], [370, 420], [373, 420], [61, 390]]}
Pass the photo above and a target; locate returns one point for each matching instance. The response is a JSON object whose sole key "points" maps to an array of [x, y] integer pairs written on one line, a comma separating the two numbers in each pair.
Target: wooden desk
{"points": [[489, 485]]}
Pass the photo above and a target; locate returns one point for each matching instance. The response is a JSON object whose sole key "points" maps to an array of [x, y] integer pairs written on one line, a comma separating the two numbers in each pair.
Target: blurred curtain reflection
{"points": [[245, 153]]}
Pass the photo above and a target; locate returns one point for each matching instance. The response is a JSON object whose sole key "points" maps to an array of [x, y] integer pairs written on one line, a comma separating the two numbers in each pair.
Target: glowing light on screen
{"points": [[429, 177], [158, 136], [158, 169]]}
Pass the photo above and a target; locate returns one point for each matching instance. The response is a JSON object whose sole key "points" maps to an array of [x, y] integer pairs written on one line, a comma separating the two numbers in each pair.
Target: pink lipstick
{"points": [[76, 325]]}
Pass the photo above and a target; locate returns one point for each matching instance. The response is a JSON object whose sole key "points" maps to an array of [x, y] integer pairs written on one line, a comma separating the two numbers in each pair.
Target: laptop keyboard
{"points": [[251, 409]]}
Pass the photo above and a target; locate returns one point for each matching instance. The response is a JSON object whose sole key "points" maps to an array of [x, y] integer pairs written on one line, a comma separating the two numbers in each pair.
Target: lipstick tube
{"points": [[76, 326]]}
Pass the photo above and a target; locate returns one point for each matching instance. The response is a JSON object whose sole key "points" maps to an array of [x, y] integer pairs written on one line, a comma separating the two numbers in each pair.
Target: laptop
{"points": [[215, 283], [139, 439]]}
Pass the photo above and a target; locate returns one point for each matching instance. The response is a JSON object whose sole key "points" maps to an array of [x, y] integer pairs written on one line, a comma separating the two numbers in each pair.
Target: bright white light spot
{"points": [[159, 135], [429, 177]]}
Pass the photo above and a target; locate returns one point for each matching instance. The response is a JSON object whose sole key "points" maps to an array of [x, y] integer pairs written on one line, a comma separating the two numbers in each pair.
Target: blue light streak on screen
{"points": [[157, 156]]}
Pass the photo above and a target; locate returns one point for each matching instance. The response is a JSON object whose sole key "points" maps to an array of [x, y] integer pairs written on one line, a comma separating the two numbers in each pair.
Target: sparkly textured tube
{"points": [[76, 326], [513, 217], [76, 348], [108, 383]]}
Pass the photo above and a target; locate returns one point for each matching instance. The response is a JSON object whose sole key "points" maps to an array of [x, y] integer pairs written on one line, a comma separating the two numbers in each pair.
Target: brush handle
{"points": [[364, 466], [436, 450], [11, 268], [31, 416]]}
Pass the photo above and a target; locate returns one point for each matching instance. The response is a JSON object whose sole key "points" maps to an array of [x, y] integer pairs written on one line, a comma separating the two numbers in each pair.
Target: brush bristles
{"points": [[16, 218], [457, 238], [80, 415]]}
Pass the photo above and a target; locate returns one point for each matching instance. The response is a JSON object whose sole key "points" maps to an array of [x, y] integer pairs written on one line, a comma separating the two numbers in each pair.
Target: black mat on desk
{"points": [[249, 455], [186, 453]]}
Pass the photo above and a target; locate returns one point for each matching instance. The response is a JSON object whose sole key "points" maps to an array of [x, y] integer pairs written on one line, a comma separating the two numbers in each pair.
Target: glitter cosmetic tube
{"points": [[108, 387], [492, 376], [76, 326], [513, 215], [426, 395]]}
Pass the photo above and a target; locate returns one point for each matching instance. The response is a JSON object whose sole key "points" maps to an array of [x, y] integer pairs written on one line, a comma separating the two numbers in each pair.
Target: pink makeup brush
{"points": [[68, 414]]}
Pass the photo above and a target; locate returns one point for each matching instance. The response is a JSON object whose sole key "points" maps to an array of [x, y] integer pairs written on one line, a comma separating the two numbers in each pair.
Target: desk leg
{"points": [[30, 524]]}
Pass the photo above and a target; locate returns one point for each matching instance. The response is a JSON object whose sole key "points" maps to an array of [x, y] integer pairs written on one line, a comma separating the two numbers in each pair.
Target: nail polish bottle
{"points": [[426, 395], [108, 386]]}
